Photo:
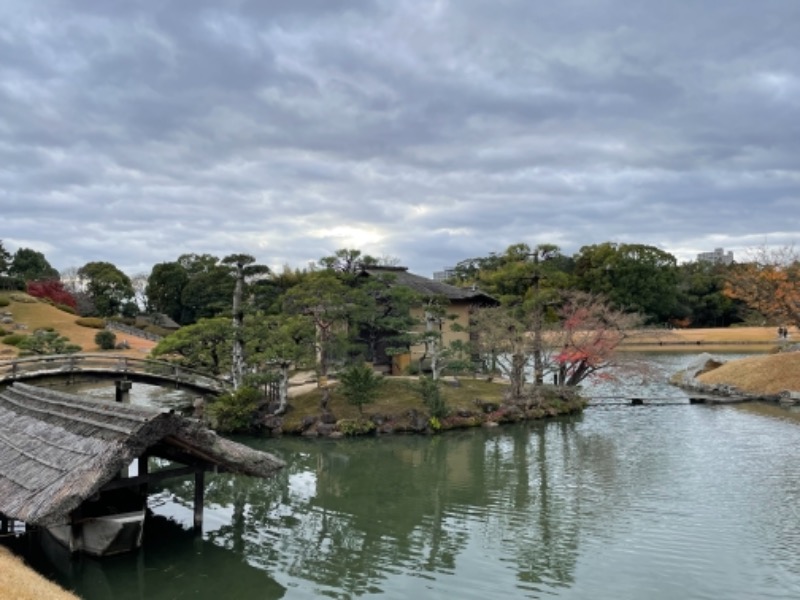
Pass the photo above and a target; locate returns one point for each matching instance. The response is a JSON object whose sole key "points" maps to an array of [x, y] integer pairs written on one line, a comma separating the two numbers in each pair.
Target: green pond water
{"points": [[655, 502], [668, 502]]}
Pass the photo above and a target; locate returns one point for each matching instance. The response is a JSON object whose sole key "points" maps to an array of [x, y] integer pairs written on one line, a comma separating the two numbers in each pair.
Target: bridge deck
{"points": [[68, 366]]}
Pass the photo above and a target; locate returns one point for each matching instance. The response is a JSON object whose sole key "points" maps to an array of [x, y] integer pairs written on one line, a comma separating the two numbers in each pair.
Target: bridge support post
{"points": [[122, 390], [199, 494]]}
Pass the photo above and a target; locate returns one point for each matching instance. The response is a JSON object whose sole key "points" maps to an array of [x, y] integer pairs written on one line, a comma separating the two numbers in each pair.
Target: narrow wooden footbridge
{"points": [[662, 400], [62, 369]]}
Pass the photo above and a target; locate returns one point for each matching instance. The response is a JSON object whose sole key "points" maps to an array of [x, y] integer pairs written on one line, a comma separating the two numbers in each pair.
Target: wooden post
{"points": [[122, 391], [199, 493], [143, 469]]}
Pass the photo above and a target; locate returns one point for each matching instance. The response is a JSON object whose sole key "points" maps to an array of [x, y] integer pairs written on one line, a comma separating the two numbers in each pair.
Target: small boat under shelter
{"points": [[64, 463]]}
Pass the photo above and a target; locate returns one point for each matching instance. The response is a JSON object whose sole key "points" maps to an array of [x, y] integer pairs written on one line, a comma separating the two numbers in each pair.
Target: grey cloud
{"points": [[431, 131]]}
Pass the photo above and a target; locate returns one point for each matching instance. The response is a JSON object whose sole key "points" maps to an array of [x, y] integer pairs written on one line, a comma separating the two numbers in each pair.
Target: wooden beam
{"points": [[148, 479]]}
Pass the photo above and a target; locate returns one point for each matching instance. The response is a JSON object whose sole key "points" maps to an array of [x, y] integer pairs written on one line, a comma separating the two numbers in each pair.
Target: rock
{"points": [[328, 418], [307, 423], [273, 422], [326, 429], [417, 421]]}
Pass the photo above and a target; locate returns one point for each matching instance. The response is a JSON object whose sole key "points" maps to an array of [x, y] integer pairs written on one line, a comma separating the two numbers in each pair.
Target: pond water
{"points": [[622, 502]]}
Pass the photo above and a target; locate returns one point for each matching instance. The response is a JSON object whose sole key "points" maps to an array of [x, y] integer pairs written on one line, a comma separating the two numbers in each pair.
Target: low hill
{"points": [[762, 375], [29, 314]]}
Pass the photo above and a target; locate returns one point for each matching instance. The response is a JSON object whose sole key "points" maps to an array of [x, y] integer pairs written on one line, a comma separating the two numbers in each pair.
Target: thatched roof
{"points": [[430, 287], [57, 450]]}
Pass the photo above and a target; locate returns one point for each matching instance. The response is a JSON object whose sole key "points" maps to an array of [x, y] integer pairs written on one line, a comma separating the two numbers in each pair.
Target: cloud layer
{"points": [[427, 130]]}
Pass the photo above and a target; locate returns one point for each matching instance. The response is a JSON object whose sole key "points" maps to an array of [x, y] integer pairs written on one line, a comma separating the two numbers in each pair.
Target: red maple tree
{"points": [[53, 290]]}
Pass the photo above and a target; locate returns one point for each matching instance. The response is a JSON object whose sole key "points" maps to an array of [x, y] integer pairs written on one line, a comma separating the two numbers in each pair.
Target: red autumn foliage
{"points": [[53, 290]]}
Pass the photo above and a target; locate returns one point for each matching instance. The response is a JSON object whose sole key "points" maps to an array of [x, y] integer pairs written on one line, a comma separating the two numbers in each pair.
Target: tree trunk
{"points": [[237, 359], [283, 389], [517, 375]]}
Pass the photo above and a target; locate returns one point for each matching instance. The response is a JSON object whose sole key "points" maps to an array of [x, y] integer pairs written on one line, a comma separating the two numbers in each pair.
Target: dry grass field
{"points": [[760, 338], [763, 374], [34, 314], [19, 582]]}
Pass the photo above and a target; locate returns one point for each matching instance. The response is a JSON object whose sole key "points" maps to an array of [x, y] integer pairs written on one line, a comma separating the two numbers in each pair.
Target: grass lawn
{"points": [[23, 583], [726, 338], [35, 314]]}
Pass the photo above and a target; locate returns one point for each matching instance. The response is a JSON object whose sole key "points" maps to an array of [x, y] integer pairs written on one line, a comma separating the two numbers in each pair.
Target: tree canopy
{"points": [[769, 284], [109, 289], [30, 265], [634, 277]]}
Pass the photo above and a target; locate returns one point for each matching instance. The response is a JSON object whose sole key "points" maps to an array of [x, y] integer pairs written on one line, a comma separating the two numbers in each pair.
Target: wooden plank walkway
{"points": [[599, 401]]}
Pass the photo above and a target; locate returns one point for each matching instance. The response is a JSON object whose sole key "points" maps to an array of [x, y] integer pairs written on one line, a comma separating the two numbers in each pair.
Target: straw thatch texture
{"points": [[430, 287], [57, 450]]}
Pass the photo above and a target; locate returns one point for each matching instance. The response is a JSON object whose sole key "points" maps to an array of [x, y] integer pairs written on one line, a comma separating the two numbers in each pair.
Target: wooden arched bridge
{"points": [[79, 368]]}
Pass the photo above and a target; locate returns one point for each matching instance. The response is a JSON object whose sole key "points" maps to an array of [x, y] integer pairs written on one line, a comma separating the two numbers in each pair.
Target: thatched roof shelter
{"points": [[57, 450], [430, 287]]}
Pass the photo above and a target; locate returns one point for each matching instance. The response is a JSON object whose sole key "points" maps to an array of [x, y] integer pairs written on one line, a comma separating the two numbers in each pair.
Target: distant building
{"points": [[444, 275], [718, 257]]}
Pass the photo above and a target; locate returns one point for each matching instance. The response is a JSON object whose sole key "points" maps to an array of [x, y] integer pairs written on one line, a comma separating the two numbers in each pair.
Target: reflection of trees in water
{"points": [[536, 502], [378, 507]]}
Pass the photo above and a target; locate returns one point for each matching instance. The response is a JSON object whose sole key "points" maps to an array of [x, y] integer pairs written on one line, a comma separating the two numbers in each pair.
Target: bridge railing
{"points": [[27, 367]]}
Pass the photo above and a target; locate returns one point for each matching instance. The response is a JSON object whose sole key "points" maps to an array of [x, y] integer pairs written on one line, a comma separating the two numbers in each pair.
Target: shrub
{"points": [[355, 426], [431, 393], [234, 411], [4, 302], [53, 291], [46, 342], [66, 309], [156, 330], [91, 322], [13, 339], [360, 385], [11, 283], [105, 339], [23, 299]]}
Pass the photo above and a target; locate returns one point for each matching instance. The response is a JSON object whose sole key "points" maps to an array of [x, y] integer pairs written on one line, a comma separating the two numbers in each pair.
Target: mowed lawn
{"points": [[722, 337]]}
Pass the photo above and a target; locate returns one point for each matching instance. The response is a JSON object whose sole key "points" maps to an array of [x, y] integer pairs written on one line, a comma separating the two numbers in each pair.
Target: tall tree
{"points": [[30, 265], [205, 345], [701, 298], [5, 259], [276, 343], [769, 283], [110, 289], [634, 277], [327, 302], [586, 339], [242, 267], [347, 261], [381, 316]]}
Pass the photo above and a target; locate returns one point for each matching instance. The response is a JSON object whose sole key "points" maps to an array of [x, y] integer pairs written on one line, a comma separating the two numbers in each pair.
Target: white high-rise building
{"points": [[718, 257]]}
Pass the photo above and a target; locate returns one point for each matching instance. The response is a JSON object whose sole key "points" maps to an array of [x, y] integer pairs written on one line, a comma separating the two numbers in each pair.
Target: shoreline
{"points": [[22, 582]]}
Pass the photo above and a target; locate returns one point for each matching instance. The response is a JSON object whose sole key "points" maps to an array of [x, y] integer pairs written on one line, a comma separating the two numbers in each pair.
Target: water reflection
{"points": [[656, 502]]}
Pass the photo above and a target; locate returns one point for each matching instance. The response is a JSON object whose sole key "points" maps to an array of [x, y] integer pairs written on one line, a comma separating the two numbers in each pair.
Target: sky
{"points": [[421, 131]]}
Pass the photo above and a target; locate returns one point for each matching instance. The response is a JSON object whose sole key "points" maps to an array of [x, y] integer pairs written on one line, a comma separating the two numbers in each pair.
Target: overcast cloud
{"points": [[427, 130]]}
